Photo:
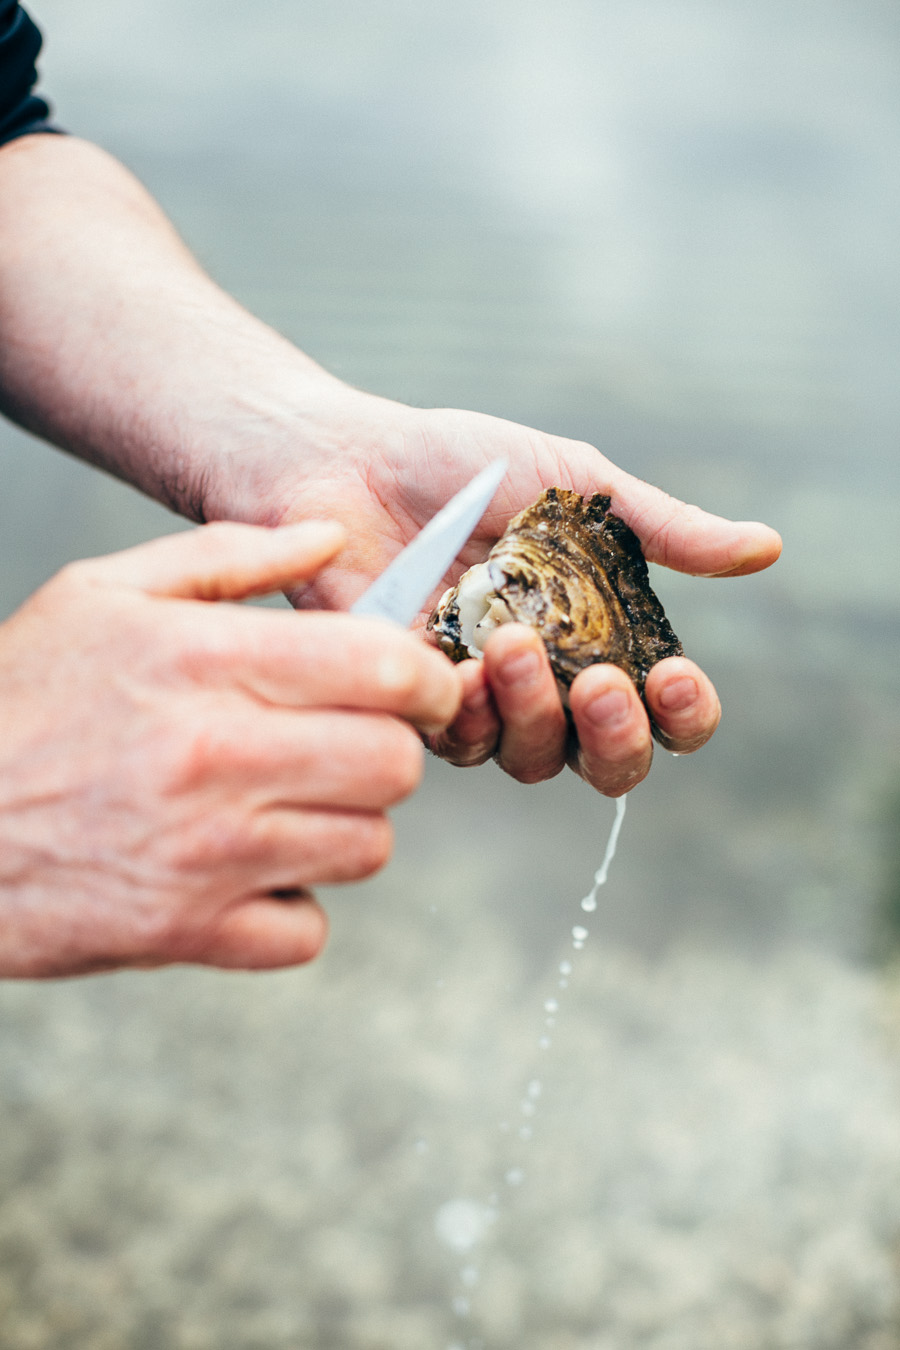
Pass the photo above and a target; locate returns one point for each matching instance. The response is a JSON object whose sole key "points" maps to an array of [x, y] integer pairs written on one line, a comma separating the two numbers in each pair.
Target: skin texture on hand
{"points": [[175, 773]]}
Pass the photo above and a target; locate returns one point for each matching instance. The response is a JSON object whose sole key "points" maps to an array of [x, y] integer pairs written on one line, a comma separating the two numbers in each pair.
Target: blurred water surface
{"points": [[670, 228]]}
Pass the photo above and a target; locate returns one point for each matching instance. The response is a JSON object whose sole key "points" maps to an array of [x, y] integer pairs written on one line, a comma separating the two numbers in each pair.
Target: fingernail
{"points": [[521, 669], [610, 709], [678, 695]]}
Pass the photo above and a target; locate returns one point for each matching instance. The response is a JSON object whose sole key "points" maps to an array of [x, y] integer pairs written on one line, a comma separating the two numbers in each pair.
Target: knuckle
{"points": [[191, 759], [73, 577], [200, 846]]}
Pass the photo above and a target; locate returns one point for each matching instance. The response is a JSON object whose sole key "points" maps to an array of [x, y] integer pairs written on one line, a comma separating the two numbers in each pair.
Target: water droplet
{"points": [[551, 1005], [469, 1275], [526, 1132], [528, 1108], [460, 1305], [460, 1224], [535, 1088], [421, 1146], [579, 933], [544, 1043], [579, 946], [589, 904], [515, 1176], [565, 967]]}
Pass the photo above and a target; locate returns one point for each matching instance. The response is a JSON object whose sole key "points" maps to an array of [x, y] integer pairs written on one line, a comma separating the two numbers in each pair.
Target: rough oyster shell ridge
{"points": [[574, 571]]}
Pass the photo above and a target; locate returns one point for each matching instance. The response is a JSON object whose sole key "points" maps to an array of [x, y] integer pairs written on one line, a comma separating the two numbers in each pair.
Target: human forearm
{"points": [[115, 345]]}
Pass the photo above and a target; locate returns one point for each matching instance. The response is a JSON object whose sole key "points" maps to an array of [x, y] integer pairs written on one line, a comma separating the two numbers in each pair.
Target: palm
{"points": [[395, 479]]}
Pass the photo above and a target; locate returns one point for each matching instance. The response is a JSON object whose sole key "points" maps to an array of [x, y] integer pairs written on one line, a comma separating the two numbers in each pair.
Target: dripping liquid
{"points": [[461, 1225]]}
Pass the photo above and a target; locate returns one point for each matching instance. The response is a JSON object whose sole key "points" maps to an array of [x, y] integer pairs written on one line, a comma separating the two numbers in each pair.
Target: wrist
{"points": [[288, 446]]}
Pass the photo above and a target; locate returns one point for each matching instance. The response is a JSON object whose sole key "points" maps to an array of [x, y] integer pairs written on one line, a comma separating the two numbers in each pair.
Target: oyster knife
{"points": [[406, 583]]}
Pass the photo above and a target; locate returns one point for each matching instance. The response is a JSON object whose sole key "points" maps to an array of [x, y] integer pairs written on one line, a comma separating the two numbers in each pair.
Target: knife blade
{"points": [[406, 583]]}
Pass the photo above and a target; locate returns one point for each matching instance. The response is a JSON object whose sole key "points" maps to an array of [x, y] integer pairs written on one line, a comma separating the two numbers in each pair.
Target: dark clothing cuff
{"points": [[21, 111]]}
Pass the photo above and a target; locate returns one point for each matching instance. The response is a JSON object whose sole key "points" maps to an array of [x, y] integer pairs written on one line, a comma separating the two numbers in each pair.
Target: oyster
{"points": [[571, 569]]}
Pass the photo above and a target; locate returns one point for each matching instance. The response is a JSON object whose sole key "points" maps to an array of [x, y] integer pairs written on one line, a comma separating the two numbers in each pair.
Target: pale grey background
{"points": [[669, 228]]}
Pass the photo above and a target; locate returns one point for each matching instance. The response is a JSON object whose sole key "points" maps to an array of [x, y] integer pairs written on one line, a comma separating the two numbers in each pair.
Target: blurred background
{"points": [[669, 227]]}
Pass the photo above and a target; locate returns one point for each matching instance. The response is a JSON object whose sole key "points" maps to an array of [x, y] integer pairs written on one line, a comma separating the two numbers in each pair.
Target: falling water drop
{"points": [[589, 903], [551, 1005], [461, 1224]]}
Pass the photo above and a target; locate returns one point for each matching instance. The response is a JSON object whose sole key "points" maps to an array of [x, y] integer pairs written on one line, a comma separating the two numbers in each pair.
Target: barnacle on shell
{"points": [[574, 571]]}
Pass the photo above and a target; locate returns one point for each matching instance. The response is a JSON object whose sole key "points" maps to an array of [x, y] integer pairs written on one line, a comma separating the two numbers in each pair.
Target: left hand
{"points": [[384, 469]]}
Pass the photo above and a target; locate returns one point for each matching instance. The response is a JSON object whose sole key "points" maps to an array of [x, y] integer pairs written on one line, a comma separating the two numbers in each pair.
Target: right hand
{"points": [[175, 774]]}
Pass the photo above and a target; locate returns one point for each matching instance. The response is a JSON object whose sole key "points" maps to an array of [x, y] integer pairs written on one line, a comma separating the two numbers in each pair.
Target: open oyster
{"points": [[571, 569]]}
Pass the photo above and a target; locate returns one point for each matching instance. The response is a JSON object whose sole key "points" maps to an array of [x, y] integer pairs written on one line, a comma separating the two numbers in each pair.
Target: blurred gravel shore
{"points": [[196, 1161]]}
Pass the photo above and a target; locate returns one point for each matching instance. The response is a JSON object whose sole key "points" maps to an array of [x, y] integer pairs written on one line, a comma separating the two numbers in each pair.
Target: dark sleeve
{"points": [[21, 111]]}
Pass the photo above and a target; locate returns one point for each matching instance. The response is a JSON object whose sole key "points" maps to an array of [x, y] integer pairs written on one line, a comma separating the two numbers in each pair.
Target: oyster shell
{"points": [[571, 569]]}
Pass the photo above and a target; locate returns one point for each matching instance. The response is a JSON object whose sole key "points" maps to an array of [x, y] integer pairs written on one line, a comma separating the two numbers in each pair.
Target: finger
{"points": [[222, 561], [286, 849], [265, 933], [687, 538], [474, 734], [672, 533], [314, 659], [683, 704], [614, 746], [321, 758], [534, 730]]}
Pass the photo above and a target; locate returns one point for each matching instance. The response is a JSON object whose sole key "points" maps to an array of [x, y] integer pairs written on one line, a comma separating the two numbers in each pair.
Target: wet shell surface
{"points": [[571, 569]]}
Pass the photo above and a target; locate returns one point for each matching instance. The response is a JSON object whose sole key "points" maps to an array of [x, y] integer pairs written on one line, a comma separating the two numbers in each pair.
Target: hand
{"points": [[384, 469], [174, 774]]}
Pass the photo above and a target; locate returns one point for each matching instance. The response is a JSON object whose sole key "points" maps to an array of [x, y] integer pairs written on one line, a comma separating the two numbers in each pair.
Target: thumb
{"points": [[687, 538], [223, 561]]}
